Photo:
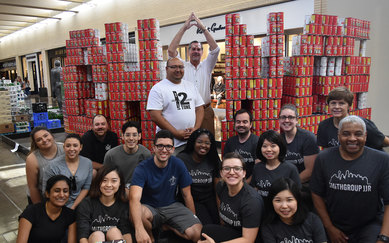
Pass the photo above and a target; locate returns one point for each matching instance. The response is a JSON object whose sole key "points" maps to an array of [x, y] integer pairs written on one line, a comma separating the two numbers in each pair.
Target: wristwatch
{"points": [[383, 238]]}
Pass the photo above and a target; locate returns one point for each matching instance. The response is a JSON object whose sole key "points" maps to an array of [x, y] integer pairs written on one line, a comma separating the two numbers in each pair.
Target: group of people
{"points": [[276, 187]]}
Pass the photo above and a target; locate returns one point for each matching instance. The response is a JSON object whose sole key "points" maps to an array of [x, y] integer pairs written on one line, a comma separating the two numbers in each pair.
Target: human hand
{"points": [[188, 132], [188, 23], [142, 236], [198, 23], [180, 134], [207, 239], [336, 235]]}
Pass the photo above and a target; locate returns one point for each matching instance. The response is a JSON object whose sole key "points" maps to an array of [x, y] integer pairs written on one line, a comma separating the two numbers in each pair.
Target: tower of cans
{"points": [[322, 59]]}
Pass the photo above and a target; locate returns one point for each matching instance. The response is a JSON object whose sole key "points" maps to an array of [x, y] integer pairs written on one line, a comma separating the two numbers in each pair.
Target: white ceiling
{"points": [[18, 14]]}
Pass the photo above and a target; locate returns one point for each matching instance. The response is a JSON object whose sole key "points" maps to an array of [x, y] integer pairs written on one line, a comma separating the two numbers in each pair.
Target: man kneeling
{"points": [[152, 194]]}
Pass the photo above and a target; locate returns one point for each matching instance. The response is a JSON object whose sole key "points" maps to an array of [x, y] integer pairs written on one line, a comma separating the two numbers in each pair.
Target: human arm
{"points": [[334, 233], [309, 162], [199, 117], [141, 234], [72, 233], [188, 199], [79, 198], [156, 116], [24, 230], [210, 40], [248, 235], [172, 49], [385, 222], [386, 141], [32, 173], [83, 219]]}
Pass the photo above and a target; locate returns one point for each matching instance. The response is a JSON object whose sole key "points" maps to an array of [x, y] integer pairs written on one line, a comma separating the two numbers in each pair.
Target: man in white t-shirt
{"points": [[175, 104], [200, 73]]}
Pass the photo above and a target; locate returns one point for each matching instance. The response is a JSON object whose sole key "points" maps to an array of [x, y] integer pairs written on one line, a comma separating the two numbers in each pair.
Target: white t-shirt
{"points": [[177, 102], [202, 75]]}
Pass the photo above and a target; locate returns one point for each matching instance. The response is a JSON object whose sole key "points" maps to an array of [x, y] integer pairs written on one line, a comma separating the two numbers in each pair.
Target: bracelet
{"points": [[383, 238]]}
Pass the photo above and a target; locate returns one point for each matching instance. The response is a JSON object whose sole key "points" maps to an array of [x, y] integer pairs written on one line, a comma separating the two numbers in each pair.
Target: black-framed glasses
{"points": [[290, 118], [176, 66], [73, 184], [162, 146], [236, 169]]}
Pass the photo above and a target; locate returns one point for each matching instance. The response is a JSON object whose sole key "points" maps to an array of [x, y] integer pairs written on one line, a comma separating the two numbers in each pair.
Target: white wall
{"points": [[375, 11]]}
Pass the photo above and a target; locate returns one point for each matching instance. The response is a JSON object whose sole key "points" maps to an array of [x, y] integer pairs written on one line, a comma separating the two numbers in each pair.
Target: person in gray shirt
{"points": [[128, 155]]}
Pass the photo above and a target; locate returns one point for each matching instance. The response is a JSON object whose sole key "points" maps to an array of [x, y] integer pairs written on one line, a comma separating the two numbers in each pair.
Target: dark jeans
{"points": [[220, 233]]}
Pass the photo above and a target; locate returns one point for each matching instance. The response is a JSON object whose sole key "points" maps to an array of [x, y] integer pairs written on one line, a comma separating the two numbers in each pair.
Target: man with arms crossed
{"points": [[200, 73], [153, 190], [349, 183]]}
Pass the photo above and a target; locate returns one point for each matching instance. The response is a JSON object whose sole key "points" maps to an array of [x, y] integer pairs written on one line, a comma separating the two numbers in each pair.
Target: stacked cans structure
{"points": [[85, 62], [245, 86], [151, 71], [322, 60]]}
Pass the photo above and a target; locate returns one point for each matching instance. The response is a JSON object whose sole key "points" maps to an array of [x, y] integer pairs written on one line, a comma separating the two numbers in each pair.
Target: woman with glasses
{"points": [[77, 168], [301, 144], [103, 215], [240, 205], [47, 222], [339, 102], [271, 150], [43, 151], [202, 161]]}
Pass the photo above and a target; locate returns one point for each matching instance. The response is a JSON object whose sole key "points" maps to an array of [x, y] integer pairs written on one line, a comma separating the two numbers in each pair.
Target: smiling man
{"points": [[197, 72], [350, 187], [244, 143], [175, 104], [98, 141], [153, 191], [128, 155]]}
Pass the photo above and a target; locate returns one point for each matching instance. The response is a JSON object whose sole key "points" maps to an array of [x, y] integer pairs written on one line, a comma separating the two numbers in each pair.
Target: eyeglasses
{"points": [[73, 184], [290, 118], [227, 169], [162, 146], [175, 67]]}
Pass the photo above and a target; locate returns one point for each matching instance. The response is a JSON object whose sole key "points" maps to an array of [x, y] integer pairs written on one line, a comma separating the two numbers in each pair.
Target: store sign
{"points": [[214, 27], [8, 64]]}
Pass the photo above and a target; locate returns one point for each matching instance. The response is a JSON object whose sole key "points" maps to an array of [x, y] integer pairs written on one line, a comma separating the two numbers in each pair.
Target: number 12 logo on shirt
{"points": [[180, 99]]}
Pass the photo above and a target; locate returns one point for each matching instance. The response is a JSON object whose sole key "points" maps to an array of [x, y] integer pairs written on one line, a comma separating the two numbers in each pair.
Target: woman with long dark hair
{"points": [[47, 222], [103, 215], [271, 150], [77, 168], [43, 151], [202, 161], [287, 219]]}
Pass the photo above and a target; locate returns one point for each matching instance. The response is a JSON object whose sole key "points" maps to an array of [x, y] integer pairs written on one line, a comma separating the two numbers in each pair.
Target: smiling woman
{"points": [[103, 216]]}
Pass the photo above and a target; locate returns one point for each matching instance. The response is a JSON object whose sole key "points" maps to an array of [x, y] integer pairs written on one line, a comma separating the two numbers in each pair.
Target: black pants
{"points": [[220, 233]]}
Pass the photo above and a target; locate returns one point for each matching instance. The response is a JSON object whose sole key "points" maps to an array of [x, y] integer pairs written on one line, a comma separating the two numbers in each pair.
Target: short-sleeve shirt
{"points": [[126, 162], [93, 216], [83, 175], [327, 134], [303, 144], [94, 149], [201, 75], [177, 102], [203, 175], [352, 189], [263, 178], [44, 229], [160, 184], [247, 150], [311, 230], [242, 210]]}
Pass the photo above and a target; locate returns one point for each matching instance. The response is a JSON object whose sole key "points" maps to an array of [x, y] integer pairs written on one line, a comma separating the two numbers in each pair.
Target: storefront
{"points": [[8, 69], [32, 70]]}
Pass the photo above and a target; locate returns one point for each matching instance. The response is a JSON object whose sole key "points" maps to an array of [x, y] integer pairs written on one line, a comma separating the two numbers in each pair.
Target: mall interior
{"points": [[35, 34]]}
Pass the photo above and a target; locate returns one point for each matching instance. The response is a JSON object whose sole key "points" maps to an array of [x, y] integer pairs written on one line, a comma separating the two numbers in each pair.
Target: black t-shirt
{"points": [[353, 189], [263, 177], [44, 229], [93, 216], [303, 144], [95, 150], [246, 149], [242, 210], [203, 176], [327, 134], [310, 231]]}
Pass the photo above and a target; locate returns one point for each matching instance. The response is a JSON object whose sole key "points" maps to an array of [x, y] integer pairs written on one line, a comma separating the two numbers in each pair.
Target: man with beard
{"points": [[244, 143], [200, 73], [175, 104], [350, 187], [128, 155], [97, 141]]}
